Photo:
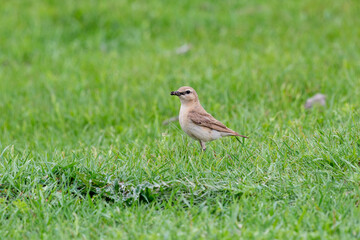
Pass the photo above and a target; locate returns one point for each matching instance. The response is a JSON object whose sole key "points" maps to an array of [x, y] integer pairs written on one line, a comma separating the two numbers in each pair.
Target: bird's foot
{"points": [[203, 146]]}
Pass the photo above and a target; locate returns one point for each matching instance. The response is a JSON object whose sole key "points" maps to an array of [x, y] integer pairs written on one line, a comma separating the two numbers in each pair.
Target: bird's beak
{"points": [[177, 93]]}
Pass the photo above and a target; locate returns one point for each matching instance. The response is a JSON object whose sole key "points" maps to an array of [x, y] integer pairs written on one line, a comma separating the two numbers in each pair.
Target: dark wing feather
{"points": [[206, 120]]}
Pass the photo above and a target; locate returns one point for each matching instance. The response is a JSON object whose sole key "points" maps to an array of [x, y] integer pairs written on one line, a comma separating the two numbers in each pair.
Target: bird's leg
{"points": [[202, 144]]}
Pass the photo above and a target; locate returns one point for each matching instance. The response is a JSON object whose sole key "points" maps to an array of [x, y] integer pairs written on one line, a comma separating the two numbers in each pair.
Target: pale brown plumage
{"points": [[200, 117], [196, 122]]}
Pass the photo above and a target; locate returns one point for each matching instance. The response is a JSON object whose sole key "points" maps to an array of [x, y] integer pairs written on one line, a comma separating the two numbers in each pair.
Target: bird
{"points": [[196, 122]]}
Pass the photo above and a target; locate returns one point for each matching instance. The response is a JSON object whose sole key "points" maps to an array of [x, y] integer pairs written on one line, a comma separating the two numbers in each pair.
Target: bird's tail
{"points": [[238, 135]]}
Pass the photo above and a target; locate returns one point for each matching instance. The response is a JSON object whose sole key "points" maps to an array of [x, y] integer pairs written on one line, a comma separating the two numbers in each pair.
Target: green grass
{"points": [[85, 86]]}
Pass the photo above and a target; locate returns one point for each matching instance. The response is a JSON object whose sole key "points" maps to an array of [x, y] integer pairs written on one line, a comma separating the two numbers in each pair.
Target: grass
{"points": [[85, 86]]}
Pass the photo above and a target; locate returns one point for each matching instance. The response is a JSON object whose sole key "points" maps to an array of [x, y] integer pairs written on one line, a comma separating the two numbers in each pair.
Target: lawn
{"points": [[85, 87]]}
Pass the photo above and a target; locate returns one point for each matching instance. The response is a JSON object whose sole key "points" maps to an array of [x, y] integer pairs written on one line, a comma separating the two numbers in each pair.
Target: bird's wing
{"points": [[206, 120]]}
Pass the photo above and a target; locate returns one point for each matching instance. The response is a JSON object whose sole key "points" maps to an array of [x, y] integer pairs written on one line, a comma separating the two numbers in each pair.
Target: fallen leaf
{"points": [[317, 99], [183, 49], [173, 119]]}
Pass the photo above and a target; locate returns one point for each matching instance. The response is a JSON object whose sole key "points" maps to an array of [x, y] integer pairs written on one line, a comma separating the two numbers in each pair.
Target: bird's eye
{"points": [[188, 92]]}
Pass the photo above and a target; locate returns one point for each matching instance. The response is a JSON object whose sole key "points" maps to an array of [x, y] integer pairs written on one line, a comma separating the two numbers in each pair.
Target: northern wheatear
{"points": [[196, 122]]}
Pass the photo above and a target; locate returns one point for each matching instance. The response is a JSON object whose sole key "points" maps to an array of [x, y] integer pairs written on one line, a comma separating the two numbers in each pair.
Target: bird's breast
{"points": [[183, 118], [185, 122]]}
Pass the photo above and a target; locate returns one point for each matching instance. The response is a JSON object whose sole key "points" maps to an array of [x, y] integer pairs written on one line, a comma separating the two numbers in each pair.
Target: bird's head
{"points": [[186, 94]]}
